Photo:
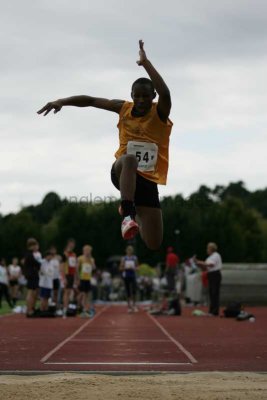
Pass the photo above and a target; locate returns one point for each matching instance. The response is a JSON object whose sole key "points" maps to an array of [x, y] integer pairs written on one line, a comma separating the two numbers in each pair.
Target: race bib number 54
{"points": [[146, 154]]}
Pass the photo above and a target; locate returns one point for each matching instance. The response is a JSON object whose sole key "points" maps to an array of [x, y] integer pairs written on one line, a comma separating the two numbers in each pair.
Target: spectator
{"points": [[31, 267], [193, 284], [205, 288], [128, 266], [172, 261], [4, 284], [117, 289], [156, 288], [46, 280], [145, 286], [70, 273], [56, 276], [37, 255], [141, 287], [213, 266], [86, 265], [14, 271], [106, 285]]}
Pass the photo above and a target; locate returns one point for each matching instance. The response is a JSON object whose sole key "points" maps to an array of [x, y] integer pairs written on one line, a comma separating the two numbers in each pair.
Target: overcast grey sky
{"points": [[212, 54]]}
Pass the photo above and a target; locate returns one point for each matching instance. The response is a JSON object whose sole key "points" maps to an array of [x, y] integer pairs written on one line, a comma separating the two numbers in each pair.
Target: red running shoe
{"points": [[129, 228]]}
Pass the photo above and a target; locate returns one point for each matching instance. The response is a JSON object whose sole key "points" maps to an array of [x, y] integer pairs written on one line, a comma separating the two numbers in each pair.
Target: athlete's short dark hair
{"points": [[144, 81]]}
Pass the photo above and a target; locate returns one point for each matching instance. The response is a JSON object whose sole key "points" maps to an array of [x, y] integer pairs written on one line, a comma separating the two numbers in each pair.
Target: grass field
{"points": [[5, 309]]}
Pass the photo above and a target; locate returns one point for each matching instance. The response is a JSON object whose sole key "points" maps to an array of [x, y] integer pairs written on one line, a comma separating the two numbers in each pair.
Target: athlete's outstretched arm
{"points": [[82, 101], [164, 102]]}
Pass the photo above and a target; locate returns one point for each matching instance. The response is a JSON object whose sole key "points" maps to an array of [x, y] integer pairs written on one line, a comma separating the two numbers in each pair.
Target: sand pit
{"points": [[192, 386]]}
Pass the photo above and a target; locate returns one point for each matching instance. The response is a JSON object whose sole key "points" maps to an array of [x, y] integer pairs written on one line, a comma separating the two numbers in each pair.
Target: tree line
{"points": [[232, 216]]}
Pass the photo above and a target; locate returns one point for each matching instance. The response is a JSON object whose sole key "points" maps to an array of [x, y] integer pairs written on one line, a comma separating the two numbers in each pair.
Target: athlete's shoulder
{"points": [[127, 105]]}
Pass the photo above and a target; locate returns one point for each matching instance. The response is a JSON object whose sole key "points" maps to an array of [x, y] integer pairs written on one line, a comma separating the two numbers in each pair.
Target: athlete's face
{"points": [[87, 251], [209, 249], [71, 245], [129, 250], [35, 247], [142, 96], [53, 251]]}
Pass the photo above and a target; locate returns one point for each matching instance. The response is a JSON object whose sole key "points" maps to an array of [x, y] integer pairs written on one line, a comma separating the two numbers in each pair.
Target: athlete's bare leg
{"points": [[150, 225], [149, 218], [44, 304], [55, 297], [66, 298], [29, 301], [125, 168]]}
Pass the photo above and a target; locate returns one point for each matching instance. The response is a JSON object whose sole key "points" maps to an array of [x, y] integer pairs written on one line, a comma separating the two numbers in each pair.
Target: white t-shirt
{"points": [[38, 256], [14, 271], [3, 275], [46, 274], [56, 265], [216, 260], [106, 278]]}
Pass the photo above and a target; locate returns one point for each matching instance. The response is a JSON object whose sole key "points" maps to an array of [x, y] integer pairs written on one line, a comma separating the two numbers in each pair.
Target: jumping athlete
{"points": [[142, 158]]}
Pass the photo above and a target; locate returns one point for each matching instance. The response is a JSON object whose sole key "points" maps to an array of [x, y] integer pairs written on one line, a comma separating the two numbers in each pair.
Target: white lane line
{"points": [[178, 344], [61, 344], [115, 363], [123, 340]]}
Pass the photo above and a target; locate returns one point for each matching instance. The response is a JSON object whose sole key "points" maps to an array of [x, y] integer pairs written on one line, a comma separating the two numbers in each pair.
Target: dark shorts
{"points": [[146, 193], [85, 286], [45, 293], [70, 281], [33, 283], [14, 282], [130, 286], [56, 284]]}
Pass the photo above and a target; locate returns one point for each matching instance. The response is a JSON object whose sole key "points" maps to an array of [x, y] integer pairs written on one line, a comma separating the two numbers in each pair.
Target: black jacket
{"points": [[31, 266]]}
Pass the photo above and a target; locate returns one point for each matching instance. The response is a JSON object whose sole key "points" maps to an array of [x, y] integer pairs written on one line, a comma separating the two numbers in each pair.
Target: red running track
{"points": [[118, 342]]}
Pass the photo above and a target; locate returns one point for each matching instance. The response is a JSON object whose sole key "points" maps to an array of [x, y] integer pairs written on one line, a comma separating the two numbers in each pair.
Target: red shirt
{"points": [[204, 278], [172, 260], [70, 260]]}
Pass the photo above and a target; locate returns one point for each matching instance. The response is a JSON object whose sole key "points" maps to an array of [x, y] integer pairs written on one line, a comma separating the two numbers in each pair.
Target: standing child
{"points": [[4, 290], [46, 280], [14, 271], [69, 271], [56, 277], [143, 154], [86, 265], [31, 268]]}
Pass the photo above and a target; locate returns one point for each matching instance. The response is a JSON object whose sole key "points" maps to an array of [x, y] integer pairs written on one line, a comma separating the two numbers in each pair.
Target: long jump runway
{"points": [[117, 341], [114, 341]]}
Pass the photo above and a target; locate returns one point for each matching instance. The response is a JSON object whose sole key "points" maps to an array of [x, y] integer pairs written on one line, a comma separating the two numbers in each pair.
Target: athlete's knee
{"points": [[130, 161]]}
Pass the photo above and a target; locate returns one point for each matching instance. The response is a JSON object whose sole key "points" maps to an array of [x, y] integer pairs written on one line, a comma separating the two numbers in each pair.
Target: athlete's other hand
{"points": [[53, 105], [142, 53]]}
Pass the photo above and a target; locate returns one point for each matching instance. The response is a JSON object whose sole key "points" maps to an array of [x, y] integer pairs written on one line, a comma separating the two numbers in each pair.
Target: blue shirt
{"points": [[130, 263]]}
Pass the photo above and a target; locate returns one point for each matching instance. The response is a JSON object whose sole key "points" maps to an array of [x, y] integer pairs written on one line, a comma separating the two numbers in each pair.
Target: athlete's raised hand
{"points": [[53, 105], [142, 53]]}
